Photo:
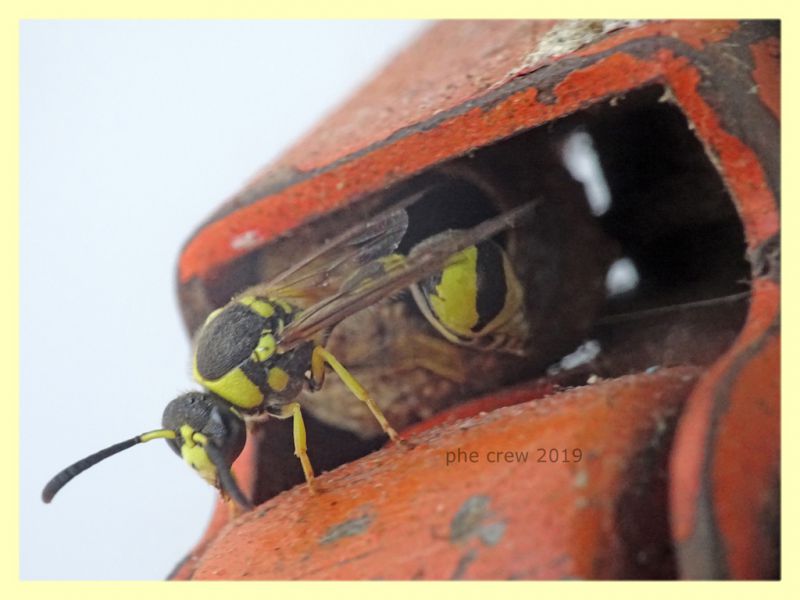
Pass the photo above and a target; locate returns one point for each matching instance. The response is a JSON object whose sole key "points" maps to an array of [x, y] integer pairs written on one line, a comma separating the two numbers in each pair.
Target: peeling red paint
{"points": [[616, 74], [738, 164], [697, 34], [275, 214], [747, 464], [749, 394]]}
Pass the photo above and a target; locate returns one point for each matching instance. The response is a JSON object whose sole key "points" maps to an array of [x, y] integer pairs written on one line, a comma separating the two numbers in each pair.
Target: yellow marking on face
{"points": [[456, 294], [195, 455], [278, 379], [261, 307], [234, 387], [266, 347], [186, 434]]}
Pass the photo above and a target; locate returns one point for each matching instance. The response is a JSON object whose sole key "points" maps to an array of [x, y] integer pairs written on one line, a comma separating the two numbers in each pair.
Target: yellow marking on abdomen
{"points": [[277, 379], [454, 302]]}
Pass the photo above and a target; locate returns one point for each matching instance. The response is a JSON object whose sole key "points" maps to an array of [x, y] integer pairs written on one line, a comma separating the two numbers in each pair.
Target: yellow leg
{"points": [[318, 367], [299, 432], [319, 357]]}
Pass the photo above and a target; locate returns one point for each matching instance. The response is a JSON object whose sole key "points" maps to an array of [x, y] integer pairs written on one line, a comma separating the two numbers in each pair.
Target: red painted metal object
{"points": [[685, 118], [552, 488]]}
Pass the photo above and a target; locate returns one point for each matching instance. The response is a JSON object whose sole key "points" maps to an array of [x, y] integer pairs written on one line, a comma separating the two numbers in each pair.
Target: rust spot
{"points": [[491, 534], [402, 492], [348, 528], [470, 520], [463, 563]]}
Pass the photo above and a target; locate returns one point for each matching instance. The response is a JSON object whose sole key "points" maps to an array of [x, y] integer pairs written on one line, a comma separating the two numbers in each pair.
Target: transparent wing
{"points": [[321, 272], [424, 260]]}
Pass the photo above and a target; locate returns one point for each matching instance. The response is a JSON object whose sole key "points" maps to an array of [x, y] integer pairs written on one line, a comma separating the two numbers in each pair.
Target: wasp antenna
{"points": [[65, 476], [226, 480]]}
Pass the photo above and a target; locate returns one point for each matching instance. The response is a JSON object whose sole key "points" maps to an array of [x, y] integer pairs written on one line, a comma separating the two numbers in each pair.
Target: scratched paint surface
{"points": [[405, 513], [264, 210], [725, 467]]}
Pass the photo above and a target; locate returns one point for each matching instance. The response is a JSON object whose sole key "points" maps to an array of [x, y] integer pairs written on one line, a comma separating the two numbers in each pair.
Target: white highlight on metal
{"points": [[622, 276], [583, 164], [583, 354], [246, 241]]}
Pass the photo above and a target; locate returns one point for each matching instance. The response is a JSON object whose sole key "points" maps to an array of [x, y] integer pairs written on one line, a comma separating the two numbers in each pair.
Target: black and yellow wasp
{"points": [[254, 355]]}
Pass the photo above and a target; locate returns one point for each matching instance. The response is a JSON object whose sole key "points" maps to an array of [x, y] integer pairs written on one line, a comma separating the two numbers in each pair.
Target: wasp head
{"points": [[210, 435]]}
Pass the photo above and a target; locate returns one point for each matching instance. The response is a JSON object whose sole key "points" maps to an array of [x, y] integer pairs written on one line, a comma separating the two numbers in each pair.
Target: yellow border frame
{"points": [[12, 12]]}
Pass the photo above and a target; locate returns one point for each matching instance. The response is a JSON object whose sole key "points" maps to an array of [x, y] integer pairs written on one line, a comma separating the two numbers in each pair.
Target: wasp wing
{"points": [[423, 260], [321, 273]]}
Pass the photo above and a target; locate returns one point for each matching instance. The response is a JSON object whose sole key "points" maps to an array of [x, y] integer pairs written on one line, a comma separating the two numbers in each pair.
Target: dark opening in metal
{"points": [[662, 206]]}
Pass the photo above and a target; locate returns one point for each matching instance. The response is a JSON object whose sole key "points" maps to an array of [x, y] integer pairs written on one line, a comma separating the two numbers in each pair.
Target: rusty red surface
{"points": [[534, 390], [244, 466], [767, 73], [379, 161], [404, 513], [225, 511], [695, 33], [489, 54], [481, 56], [726, 464]]}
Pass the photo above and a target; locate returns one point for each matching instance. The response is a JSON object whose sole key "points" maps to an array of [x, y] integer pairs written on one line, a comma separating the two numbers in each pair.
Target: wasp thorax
{"points": [[231, 336], [237, 355]]}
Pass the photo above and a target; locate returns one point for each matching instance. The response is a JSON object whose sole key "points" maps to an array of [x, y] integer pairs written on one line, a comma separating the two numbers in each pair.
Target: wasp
{"points": [[255, 355]]}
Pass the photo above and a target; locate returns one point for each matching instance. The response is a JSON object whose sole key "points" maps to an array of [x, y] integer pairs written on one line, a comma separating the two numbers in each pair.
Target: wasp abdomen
{"points": [[476, 300]]}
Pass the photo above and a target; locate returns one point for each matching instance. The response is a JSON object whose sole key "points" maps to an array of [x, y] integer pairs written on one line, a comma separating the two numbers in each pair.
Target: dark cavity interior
{"points": [[670, 216]]}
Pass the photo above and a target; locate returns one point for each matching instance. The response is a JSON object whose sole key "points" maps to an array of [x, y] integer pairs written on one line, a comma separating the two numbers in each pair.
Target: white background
{"points": [[131, 134]]}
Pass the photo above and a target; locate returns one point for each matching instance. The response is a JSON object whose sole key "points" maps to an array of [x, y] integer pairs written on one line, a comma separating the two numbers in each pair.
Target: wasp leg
{"points": [[319, 357], [299, 432], [317, 368]]}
